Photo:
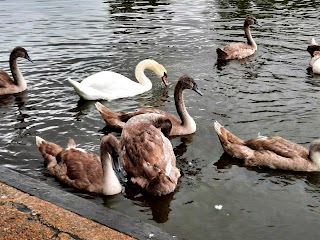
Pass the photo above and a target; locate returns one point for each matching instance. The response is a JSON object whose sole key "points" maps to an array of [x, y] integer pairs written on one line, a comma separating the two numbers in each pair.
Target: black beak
{"points": [[28, 58], [196, 89], [120, 172], [257, 23], [164, 79]]}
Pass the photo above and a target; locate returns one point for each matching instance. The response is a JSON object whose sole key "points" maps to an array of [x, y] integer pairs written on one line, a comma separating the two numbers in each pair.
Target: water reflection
{"points": [[226, 162], [18, 98], [160, 206], [126, 11], [82, 109], [183, 146], [220, 63], [130, 6]]}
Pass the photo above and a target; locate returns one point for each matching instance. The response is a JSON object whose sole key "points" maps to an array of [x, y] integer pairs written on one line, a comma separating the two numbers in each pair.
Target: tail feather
{"points": [[106, 113], [71, 143], [225, 136], [84, 92], [76, 86], [233, 145], [112, 118], [222, 54], [48, 150], [39, 141]]}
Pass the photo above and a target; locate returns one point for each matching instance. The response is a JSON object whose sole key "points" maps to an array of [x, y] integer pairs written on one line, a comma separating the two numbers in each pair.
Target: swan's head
{"points": [[313, 50], [161, 72], [251, 20], [186, 82], [110, 150], [314, 152], [158, 69], [20, 52]]}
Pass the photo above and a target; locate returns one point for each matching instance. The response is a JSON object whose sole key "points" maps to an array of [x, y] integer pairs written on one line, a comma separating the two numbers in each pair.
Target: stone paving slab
{"points": [[27, 217], [30, 209]]}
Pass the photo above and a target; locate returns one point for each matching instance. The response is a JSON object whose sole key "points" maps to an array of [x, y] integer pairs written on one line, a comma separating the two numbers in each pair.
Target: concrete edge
{"points": [[85, 208]]}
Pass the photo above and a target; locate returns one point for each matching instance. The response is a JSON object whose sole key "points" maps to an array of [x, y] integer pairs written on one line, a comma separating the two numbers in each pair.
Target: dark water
{"points": [[269, 93]]}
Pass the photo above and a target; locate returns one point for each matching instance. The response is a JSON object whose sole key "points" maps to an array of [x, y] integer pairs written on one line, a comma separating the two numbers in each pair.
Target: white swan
{"points": [[314, 50], [108, 85]]}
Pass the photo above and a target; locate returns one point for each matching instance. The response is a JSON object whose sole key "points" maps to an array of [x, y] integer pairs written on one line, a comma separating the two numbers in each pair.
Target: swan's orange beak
{"points": [[164, 79]]}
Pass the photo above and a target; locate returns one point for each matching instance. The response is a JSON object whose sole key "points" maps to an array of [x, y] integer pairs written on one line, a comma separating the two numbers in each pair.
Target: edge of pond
{"points": [[85, 208]]}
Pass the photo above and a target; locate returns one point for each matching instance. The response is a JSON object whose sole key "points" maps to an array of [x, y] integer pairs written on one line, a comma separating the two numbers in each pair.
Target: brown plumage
{"points": [[240, 50], [147, 155], [180, 126], [18, 83], [81, 169], [272, 151]]}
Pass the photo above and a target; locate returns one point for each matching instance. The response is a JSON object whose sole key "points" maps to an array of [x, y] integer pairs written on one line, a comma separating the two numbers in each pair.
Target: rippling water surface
{"points": [[268, 93]]}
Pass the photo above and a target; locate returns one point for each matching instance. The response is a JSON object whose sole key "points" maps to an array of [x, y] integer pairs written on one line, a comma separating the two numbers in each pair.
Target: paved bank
{"points": [[30, 209]]}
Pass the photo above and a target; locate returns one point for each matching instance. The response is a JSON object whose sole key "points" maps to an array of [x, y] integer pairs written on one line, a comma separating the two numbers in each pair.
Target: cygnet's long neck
{"points": [[18, 78], [186, 119], [314, 152], [139, 72], [111, 183], [250, 40]]}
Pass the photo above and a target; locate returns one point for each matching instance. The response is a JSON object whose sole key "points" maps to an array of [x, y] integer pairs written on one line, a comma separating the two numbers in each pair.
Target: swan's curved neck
{"points": [[18, 78], [186, 119], [315, 157], [111, 183], [250, 40], [314, 59], [139, 73]]}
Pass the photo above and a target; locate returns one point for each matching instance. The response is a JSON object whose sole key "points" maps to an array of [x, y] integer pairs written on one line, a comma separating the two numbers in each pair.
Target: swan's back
{"points": [[82, 166], [5, 80], [72, 166], [239, 50], [108, 85], [147, 155], [106, 77], [278, 145]]}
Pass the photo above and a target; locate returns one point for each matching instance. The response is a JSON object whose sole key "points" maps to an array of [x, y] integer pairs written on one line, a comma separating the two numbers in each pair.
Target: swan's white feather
{"points": [[108, 85]]}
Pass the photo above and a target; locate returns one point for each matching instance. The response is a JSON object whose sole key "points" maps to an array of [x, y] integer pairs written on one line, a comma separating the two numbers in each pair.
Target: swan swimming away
{"points": [[81, 169], [314, 50], [273, 151], [18, 83], [183, 125], [108, 85], [240, 50]]}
